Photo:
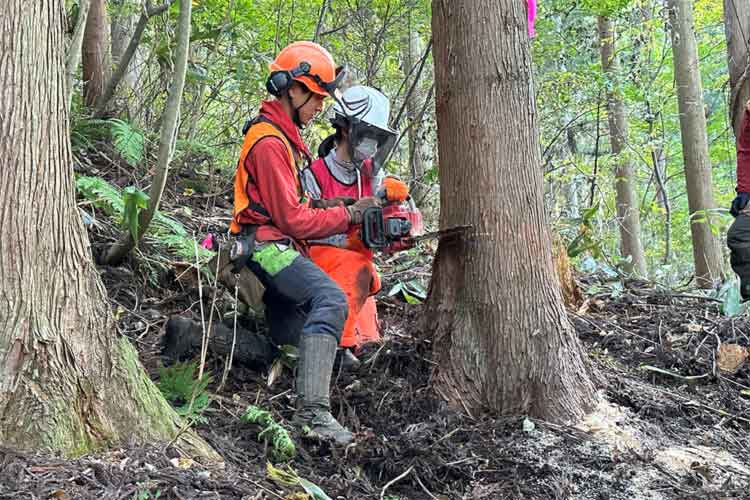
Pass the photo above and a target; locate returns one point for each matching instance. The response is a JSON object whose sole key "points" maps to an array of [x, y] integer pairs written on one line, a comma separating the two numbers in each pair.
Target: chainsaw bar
{"points": [[443, 233]]}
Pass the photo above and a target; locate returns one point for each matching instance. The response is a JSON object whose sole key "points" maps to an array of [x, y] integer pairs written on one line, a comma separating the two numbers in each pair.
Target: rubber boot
{"points": [[346, 360], [316, 355], [183, 339]]}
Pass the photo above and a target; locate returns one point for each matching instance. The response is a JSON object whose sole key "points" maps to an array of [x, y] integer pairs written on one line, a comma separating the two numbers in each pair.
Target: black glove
{"points": [[356, 210], [739, 202], [333, 202]]}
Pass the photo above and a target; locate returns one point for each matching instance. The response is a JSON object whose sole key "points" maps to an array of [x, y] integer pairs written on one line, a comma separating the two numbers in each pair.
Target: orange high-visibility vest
{"points": [[243, 181]]}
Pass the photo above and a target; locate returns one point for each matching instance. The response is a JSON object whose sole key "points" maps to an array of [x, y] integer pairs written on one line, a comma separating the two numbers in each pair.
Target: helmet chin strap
{"points": [[295, 110]]}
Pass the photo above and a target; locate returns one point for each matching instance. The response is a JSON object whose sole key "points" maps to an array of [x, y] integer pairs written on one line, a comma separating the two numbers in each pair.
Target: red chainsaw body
{"points": [[393, 227]]}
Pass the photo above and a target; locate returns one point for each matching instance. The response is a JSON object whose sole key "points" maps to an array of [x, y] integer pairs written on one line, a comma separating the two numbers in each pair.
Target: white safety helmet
{"points": [[364, 112]]}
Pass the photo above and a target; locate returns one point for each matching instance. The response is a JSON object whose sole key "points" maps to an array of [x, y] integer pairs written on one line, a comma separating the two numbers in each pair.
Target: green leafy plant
{"points": [[282, 446], [584, 241], [412, 291], [178, 383], [147, 495], [129, 142], [731, 300], [134, 200], [126, 206]]}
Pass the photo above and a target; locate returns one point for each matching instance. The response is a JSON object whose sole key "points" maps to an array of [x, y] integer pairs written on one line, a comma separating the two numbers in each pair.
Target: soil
{"points": [[670, 424]]}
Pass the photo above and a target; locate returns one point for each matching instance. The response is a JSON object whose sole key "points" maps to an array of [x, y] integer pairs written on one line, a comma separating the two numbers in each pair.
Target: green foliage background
{"points": [[234, 41]]}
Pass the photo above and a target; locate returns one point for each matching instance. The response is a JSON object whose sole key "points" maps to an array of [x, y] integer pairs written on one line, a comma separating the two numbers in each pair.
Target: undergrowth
{"points": [[164, 230], [178, 383], [282, 446]]}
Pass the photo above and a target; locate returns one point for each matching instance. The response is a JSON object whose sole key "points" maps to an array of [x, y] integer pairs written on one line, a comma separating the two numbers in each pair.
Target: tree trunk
{"points": [[168, 135], [95, 52], [127, 56], [411, 48], [122, 30], [706, 252], [628, 213], [74, 49], [68, 382], [502, 339], [737, 28]]}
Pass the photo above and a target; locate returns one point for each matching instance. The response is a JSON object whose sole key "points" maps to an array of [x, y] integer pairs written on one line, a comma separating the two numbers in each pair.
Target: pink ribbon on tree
{"points": [[531, 15]]}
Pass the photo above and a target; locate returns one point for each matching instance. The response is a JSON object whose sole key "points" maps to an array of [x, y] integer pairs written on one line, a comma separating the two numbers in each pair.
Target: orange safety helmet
{"points": [[308, 63]]}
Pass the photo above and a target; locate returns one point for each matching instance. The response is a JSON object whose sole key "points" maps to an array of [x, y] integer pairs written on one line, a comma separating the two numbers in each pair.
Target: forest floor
{"points": [[672, 423]]}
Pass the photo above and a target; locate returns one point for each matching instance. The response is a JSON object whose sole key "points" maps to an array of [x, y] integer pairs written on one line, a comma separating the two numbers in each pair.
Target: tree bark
{"points": [[122, 68], [502, 339], [737, 28], [119, 250], [74, 49], [122, 29], [706, 253], [95, 52], [67, 381], [628, 213]]}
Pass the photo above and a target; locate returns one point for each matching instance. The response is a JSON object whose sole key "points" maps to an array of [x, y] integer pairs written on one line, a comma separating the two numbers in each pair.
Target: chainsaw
{"points": [[393, 228]]}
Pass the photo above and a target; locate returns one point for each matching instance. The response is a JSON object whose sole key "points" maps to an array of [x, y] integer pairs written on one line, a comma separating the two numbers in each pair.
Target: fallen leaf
{"points": [[60, 494], [694, 327], [528, 425], [182, 463], [730, 358]]}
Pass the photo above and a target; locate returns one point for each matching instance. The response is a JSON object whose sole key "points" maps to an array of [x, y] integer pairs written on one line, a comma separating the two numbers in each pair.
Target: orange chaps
{"points": [[356, 275]]}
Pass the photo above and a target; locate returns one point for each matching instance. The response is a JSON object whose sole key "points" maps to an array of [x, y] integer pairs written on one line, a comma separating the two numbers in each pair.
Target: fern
{"points": [[129, 142], [178, 383], [282, 445], [166, 231], [102, 194]]}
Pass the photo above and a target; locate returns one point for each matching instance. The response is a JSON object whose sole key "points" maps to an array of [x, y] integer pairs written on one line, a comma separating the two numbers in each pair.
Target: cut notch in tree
{"points": [[501, 335]]}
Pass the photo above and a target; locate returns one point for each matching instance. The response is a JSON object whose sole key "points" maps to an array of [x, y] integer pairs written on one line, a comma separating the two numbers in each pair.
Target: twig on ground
{"points": [[395, 480], [424, 488], [688, 378], [228, 364]]}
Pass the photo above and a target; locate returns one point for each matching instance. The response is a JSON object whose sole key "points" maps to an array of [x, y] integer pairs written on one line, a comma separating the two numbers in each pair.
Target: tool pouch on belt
{"points": [[738, 241], [243, 248]]}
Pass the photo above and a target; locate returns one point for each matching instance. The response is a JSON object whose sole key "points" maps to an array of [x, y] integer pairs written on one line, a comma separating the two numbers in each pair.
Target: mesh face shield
{"points": [[368, 141]]}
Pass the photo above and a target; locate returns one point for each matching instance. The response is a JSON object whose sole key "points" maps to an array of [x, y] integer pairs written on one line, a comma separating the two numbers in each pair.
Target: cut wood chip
{"points": [[731, 357]]}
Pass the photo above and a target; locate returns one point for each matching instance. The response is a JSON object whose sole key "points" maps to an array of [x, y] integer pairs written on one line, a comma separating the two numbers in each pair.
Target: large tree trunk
{"points": [[502, 339], [628, 214], [95, 52], [737, 27], [67, 382], [706, 252]]}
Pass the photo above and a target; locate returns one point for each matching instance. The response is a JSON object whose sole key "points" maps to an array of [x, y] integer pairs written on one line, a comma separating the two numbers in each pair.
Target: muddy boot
{"points": [[316, 354], [183, 340], [346, 360]]}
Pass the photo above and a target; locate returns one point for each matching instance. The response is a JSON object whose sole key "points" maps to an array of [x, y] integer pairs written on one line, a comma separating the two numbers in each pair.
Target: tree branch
{"points": [[149, 11], [321, 18], [397, 119]]}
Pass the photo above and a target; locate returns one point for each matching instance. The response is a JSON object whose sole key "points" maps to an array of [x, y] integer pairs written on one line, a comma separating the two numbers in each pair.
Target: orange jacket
{"points": [[267, 190]]}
